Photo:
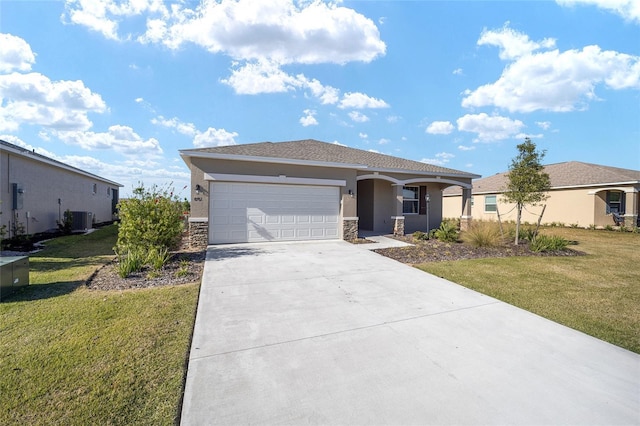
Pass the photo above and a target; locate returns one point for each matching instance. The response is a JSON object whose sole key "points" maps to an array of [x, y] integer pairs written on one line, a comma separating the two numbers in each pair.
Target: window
{"points": [[410, 199], [490, 204], [615, 202], [95, 188]]}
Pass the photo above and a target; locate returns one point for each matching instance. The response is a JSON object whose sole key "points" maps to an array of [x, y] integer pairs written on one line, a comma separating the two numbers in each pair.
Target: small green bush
{"points": [[528, 234], [66, 225], [151, 218], [545, 243], [420, 236], [131, 262], [482, 234], [447, 232], [157, 257]]}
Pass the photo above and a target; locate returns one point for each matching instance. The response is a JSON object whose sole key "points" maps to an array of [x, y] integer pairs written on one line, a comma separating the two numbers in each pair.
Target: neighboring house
{"points": [[581, 194], [307, 190], [35, 191]]}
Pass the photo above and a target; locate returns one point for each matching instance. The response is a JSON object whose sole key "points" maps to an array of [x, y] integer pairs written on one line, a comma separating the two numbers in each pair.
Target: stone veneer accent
{"points": [[398, 226], [630, 220], [199, 234], [350, 228]]}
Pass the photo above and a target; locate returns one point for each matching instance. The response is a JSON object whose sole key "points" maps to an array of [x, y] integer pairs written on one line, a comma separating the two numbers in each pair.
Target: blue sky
{"points": [[119, 87]]}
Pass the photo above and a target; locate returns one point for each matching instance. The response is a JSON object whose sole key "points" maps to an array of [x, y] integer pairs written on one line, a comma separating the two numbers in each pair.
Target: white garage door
{"points": [[254, 212]]}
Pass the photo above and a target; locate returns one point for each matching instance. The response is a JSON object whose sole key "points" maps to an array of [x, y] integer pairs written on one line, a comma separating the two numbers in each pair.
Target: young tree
{"points": [[527, 183]]}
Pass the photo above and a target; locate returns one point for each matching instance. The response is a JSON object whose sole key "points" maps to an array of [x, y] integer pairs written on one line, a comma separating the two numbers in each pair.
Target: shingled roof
{"points": [[562, 175], [316, 151]]}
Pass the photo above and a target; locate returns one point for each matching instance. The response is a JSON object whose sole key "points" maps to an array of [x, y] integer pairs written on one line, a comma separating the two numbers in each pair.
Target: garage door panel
{"points": [[250, 212]]}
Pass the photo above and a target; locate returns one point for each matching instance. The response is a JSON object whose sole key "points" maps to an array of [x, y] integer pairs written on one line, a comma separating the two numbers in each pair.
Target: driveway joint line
{"points": [[267, 345]]}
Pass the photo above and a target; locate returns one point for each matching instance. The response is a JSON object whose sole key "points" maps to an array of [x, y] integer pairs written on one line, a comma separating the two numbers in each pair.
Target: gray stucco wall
{"points": [[43, 185]]}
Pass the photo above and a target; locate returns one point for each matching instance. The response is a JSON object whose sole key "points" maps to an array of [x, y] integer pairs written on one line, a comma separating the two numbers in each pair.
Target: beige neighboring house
{"points": [[36, 191], [581, 194], [311, 190]]}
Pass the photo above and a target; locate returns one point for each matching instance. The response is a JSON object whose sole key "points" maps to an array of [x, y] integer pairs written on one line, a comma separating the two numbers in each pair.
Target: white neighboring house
{"points": [[35, 191]]}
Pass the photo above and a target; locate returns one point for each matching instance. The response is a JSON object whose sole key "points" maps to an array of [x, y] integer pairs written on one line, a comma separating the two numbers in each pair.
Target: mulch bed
{"points": [[438, 251], [107, 278]]}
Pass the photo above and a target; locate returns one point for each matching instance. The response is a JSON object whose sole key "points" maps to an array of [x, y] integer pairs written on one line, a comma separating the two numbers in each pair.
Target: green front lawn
{"points": [[70, 355], [598, 294]]}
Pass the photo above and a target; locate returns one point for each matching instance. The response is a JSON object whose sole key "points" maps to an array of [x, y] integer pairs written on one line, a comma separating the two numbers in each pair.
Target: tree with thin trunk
{"points": [[527, 182]]}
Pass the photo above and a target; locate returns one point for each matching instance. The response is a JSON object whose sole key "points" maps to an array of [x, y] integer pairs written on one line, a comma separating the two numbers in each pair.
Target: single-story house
{"points": [[581, 194], [307, 190], [36, 190]]}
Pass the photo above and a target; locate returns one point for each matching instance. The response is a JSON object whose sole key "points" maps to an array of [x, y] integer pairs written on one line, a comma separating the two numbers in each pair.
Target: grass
{"points": [[69, 355], [598, 294]]}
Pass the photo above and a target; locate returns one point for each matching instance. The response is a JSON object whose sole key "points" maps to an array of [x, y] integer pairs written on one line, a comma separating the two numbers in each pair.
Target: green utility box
{"points": [[14, 273]]}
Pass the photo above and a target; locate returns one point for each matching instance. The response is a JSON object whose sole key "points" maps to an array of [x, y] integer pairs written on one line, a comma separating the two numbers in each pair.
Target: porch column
{"points": [[631, 209], [398, 218], [465, 219]]}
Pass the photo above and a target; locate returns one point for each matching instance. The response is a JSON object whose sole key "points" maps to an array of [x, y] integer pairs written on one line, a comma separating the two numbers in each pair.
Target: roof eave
{"points": [[41, 158], [277, 160]]}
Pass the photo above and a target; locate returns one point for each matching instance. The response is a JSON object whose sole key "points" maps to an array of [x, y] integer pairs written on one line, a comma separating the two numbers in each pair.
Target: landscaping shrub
{"points": [[447, 232], [528, 234], [130, 262], [65, 226], [157, 257], [544, 243], [151, 218], [483, 234], [420, 236]]}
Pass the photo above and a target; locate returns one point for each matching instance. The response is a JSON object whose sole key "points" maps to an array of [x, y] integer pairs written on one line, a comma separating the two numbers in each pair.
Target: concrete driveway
{"points": [[332, 333]]}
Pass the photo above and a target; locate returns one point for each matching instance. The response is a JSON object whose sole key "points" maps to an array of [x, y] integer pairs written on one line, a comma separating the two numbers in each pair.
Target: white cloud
{"points": [[363, 135], [458, 71], [214, 137], [544, 125], [383, 141], [358, 117], [309, 118], [103, 16], [489, 128], [188, 129], [529, 135], [512, 44], [393, 119], [283, 31], [466, 148], [260, 77], [360, 101], [119, 138], [440, 128], [15, 54], [210, 137], [36, 100], [441, 159], [628, 9], [557, 81]]}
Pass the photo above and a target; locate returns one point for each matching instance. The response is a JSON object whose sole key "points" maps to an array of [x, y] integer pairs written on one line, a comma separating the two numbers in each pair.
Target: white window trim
{"points": [[496, 204], [412, 200]]}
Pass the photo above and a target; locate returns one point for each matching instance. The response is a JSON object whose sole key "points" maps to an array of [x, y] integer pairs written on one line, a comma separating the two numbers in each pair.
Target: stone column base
{"points": [[350, 228], [630, 220], [465, 223], [398, 226], [198, 234]]}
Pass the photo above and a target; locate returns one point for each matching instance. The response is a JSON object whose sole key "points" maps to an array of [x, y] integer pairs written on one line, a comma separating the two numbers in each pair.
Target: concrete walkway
{"points": [[328, 333]]}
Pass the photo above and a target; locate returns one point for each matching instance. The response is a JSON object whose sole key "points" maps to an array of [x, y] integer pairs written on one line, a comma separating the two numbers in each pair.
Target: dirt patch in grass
{"points": [[438, 251], [185, 266]]}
